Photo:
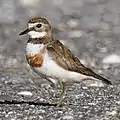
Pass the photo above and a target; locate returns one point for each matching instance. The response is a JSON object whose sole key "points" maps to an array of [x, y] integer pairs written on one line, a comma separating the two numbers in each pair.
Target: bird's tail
{"points": [[87, 71], [106, 81]]}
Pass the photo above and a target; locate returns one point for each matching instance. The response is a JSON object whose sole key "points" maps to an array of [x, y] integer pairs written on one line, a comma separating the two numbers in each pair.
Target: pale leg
{"points": [[62, 95]]}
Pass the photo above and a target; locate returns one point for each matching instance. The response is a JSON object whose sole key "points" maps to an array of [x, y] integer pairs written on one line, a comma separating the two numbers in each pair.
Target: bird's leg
{"points": [[48, 79], [62, 95]]}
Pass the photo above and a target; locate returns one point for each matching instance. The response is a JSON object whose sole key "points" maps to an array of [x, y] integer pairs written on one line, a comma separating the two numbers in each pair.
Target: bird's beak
{"points": [[26, 31]]}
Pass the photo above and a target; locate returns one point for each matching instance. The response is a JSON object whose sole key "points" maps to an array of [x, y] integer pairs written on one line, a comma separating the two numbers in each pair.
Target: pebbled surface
{"points": [[91, 29]]}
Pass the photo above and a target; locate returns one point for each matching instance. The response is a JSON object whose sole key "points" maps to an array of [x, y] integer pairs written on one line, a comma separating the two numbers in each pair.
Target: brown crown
{"points": [[38, 19]]}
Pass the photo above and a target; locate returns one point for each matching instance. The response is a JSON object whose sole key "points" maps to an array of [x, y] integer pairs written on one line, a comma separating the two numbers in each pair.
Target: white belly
{"points": [[52, 70]]}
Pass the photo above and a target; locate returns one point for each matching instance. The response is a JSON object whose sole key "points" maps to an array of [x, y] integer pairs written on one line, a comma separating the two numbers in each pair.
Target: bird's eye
{"points": [[38, 25]]}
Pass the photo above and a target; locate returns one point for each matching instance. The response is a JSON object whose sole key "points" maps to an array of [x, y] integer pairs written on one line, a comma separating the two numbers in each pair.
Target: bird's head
{"points": [[37, 28]]}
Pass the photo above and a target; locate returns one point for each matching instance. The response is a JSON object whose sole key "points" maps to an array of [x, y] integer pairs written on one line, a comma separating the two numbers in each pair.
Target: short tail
{"points": [[87, 71], [106, 81]]}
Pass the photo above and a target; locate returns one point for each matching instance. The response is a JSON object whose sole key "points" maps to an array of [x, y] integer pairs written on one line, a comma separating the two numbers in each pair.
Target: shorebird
{"points": [[51, 59]]}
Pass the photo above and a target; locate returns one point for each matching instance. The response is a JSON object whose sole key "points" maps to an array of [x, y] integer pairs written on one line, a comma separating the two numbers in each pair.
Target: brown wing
{"points": [[65, 58]]}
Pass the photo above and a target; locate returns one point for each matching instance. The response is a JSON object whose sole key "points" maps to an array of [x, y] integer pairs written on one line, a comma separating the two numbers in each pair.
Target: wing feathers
{"points": [[66, 59]]}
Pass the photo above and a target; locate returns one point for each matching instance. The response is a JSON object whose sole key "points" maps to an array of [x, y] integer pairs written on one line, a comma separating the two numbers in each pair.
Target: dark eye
{"points": [[38, 25]]}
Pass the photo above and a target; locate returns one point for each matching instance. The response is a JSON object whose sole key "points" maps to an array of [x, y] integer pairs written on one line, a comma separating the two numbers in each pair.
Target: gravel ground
{"points": [[91, 29]]}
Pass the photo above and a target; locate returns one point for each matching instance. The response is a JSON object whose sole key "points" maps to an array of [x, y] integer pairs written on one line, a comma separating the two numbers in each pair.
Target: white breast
{"points": [[33, 48]]}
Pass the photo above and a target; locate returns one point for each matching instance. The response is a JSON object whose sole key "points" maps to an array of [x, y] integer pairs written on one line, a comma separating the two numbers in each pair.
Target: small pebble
{"points": [[111, 59], [68, 117], [25, 93]]}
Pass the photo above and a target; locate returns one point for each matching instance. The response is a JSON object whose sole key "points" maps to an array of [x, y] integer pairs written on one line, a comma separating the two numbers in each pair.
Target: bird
{"points": [[51, 59]]}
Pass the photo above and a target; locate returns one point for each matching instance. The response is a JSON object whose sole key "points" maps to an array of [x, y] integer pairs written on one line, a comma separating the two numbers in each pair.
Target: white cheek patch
{"points": [[34, 34]]}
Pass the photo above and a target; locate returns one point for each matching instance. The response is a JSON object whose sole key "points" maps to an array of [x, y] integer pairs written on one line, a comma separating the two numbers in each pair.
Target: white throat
{"points": [[34, 34], [32, 49]]}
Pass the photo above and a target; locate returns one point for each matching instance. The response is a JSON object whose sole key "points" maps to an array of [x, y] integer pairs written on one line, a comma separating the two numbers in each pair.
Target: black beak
{"points": [[26, 31]]}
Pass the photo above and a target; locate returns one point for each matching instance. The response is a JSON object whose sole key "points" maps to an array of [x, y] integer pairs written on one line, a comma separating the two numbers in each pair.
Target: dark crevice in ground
{"points": [[27, 102]]}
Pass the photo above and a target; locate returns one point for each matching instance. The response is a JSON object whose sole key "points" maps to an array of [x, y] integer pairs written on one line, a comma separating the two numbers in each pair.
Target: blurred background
{"points": [[90, 28]]}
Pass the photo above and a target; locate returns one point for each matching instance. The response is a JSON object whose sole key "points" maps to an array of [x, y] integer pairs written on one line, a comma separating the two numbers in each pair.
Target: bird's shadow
{"points": [[26, 102]]}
